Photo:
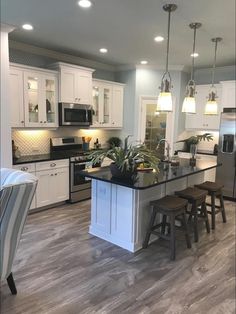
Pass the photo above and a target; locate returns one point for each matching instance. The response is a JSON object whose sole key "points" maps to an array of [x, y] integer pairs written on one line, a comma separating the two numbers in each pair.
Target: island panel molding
{"points": [[121, 211]]}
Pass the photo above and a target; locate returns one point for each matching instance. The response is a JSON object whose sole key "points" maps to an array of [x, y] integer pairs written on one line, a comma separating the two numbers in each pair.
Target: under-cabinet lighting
{"points": [[159, 39]]}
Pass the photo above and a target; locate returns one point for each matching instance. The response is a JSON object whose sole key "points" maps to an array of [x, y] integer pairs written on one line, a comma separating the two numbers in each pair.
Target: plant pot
{"points": [[117, 173]]}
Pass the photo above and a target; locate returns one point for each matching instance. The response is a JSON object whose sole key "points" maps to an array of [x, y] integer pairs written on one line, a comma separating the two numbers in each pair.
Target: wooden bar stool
{"points": [[214, 190], [172, 207], [197, 199]]}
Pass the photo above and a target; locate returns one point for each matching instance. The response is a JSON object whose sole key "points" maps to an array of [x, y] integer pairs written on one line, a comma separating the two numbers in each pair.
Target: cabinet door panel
{"points": [[45, 188], [84, 88], [61, 184], [33, 99], [117, 107], [199, 120], [50, 101], [228, 94], [68, 85], [16, 98]]}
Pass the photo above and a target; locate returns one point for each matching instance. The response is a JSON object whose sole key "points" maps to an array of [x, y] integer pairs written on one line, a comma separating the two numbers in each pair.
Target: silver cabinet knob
{"points": [[24, 168]]}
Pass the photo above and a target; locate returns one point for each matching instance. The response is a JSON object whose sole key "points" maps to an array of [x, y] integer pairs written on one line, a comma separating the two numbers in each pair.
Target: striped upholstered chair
{"points": [[17, 191]]}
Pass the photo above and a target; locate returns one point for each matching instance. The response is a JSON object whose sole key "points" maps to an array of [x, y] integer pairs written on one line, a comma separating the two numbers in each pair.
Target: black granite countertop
{"points": [[36, 158], [149, 179]]}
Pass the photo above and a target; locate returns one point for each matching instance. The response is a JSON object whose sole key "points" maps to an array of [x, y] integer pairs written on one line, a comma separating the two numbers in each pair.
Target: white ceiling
{"points": [[126, 28]]}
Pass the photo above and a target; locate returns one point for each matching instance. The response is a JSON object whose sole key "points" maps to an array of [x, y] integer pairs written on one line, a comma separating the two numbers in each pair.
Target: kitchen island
{"points": [[120, 210]]}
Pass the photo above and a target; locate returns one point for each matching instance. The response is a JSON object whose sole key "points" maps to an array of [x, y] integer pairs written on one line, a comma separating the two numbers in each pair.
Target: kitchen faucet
{"points": [[167, 157]]}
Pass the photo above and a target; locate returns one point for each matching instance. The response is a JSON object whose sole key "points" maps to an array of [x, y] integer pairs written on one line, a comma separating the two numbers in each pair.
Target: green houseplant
{"points": [[114, 141], [194, 140], [126, 159]]}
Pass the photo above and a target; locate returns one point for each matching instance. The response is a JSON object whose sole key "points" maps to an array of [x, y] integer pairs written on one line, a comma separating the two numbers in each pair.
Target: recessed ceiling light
{"points": [[143, 62], [159, 38], [103, 50], [85, 3], [195, 54], [27, 27]]}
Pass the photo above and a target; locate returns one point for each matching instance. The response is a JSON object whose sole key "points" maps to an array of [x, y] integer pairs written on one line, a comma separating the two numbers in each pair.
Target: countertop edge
{"points": [[86, 174]]}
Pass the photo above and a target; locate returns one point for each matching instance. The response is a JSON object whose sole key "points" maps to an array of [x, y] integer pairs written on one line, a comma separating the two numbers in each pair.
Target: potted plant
{"points": [[114, 141], [126, 159], [194, 140]]}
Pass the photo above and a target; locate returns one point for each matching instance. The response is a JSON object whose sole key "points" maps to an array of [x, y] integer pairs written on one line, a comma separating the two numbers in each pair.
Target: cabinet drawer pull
{"points": [[45, 122], [55, 174], [22, 121], [53, 164], [51, 174], [24, 168], [41, 121]]}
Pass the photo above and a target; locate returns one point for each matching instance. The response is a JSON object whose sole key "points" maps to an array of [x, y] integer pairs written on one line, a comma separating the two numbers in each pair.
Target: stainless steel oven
{"points": [[80, 187], [75, 114]]}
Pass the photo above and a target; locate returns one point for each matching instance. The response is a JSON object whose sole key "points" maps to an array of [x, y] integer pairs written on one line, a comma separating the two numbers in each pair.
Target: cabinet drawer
{"points": [[25, 167], [52, 164]]}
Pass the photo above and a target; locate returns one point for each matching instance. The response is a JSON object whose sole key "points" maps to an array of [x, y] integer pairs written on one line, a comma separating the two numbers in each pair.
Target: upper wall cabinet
{"points": [[75, 83], [228, 94], [33, 97], [107, 104], [199, 120]]}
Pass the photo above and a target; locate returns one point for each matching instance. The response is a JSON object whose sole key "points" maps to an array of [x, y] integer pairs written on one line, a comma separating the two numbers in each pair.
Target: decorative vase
{"points": [[193, 152], [117, 173]]}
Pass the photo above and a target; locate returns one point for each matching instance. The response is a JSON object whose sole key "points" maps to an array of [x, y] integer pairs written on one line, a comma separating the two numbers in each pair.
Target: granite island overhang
{"points": [[120, 210]]}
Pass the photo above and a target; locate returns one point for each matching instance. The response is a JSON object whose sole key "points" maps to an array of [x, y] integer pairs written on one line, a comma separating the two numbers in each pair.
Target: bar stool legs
{"points": [[150, 228], [188, 241], [222, 205]]}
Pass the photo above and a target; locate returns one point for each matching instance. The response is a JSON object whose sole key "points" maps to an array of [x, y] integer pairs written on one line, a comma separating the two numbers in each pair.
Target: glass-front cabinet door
{"points": [[96, 101], [106, 104], [102, 97], [50, 100], [40, 99], [32, 99]]}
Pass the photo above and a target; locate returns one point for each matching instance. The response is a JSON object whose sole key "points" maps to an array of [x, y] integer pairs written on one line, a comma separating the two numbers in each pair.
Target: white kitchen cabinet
{"points": [[199, 120], [53, 184], [53, 181], [16, 98], [34, 99], [75, 83], [228, 94], [31, 169], [107, 104]]}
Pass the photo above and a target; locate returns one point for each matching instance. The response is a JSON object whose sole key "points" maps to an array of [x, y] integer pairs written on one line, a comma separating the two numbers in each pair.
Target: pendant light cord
{"points": [[194, 45], [214, 66], [168, 42]]}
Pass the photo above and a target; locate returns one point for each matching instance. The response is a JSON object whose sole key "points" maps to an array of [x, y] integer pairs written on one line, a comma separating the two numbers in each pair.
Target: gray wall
{"points": [[203, 76], [34, 60]]}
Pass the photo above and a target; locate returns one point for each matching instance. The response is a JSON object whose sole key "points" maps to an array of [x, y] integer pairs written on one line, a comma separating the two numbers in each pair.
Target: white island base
{"points": [[121, 215]]}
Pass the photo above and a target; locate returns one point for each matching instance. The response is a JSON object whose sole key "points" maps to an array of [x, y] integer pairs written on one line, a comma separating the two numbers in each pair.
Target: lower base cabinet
{"points": [[52, 187], [53, 184]]}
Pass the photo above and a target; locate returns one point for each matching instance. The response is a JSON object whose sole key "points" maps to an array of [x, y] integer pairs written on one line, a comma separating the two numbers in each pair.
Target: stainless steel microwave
{"points": [[75, 114]]}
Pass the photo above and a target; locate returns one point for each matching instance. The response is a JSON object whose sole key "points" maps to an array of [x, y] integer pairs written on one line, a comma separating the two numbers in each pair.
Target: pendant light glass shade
{"points": [[211, 107], [164, 101], [189, 104]]}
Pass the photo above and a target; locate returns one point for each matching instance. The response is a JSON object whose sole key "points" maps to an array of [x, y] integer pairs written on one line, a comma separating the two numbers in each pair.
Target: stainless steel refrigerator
{"points": [[226, 174]]}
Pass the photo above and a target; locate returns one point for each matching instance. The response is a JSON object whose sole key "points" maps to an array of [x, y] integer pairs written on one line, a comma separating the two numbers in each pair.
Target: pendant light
{"points": [[189, 104], [211, 107], [164, 102]]}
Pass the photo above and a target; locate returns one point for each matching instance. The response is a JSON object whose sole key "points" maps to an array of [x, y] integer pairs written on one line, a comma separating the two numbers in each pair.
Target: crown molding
{"points": [[59, 56], [7, 28]]}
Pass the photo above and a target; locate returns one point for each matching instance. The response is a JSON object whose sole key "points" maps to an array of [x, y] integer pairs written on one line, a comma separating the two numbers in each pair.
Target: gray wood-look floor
{"points": [[60, 268]]}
